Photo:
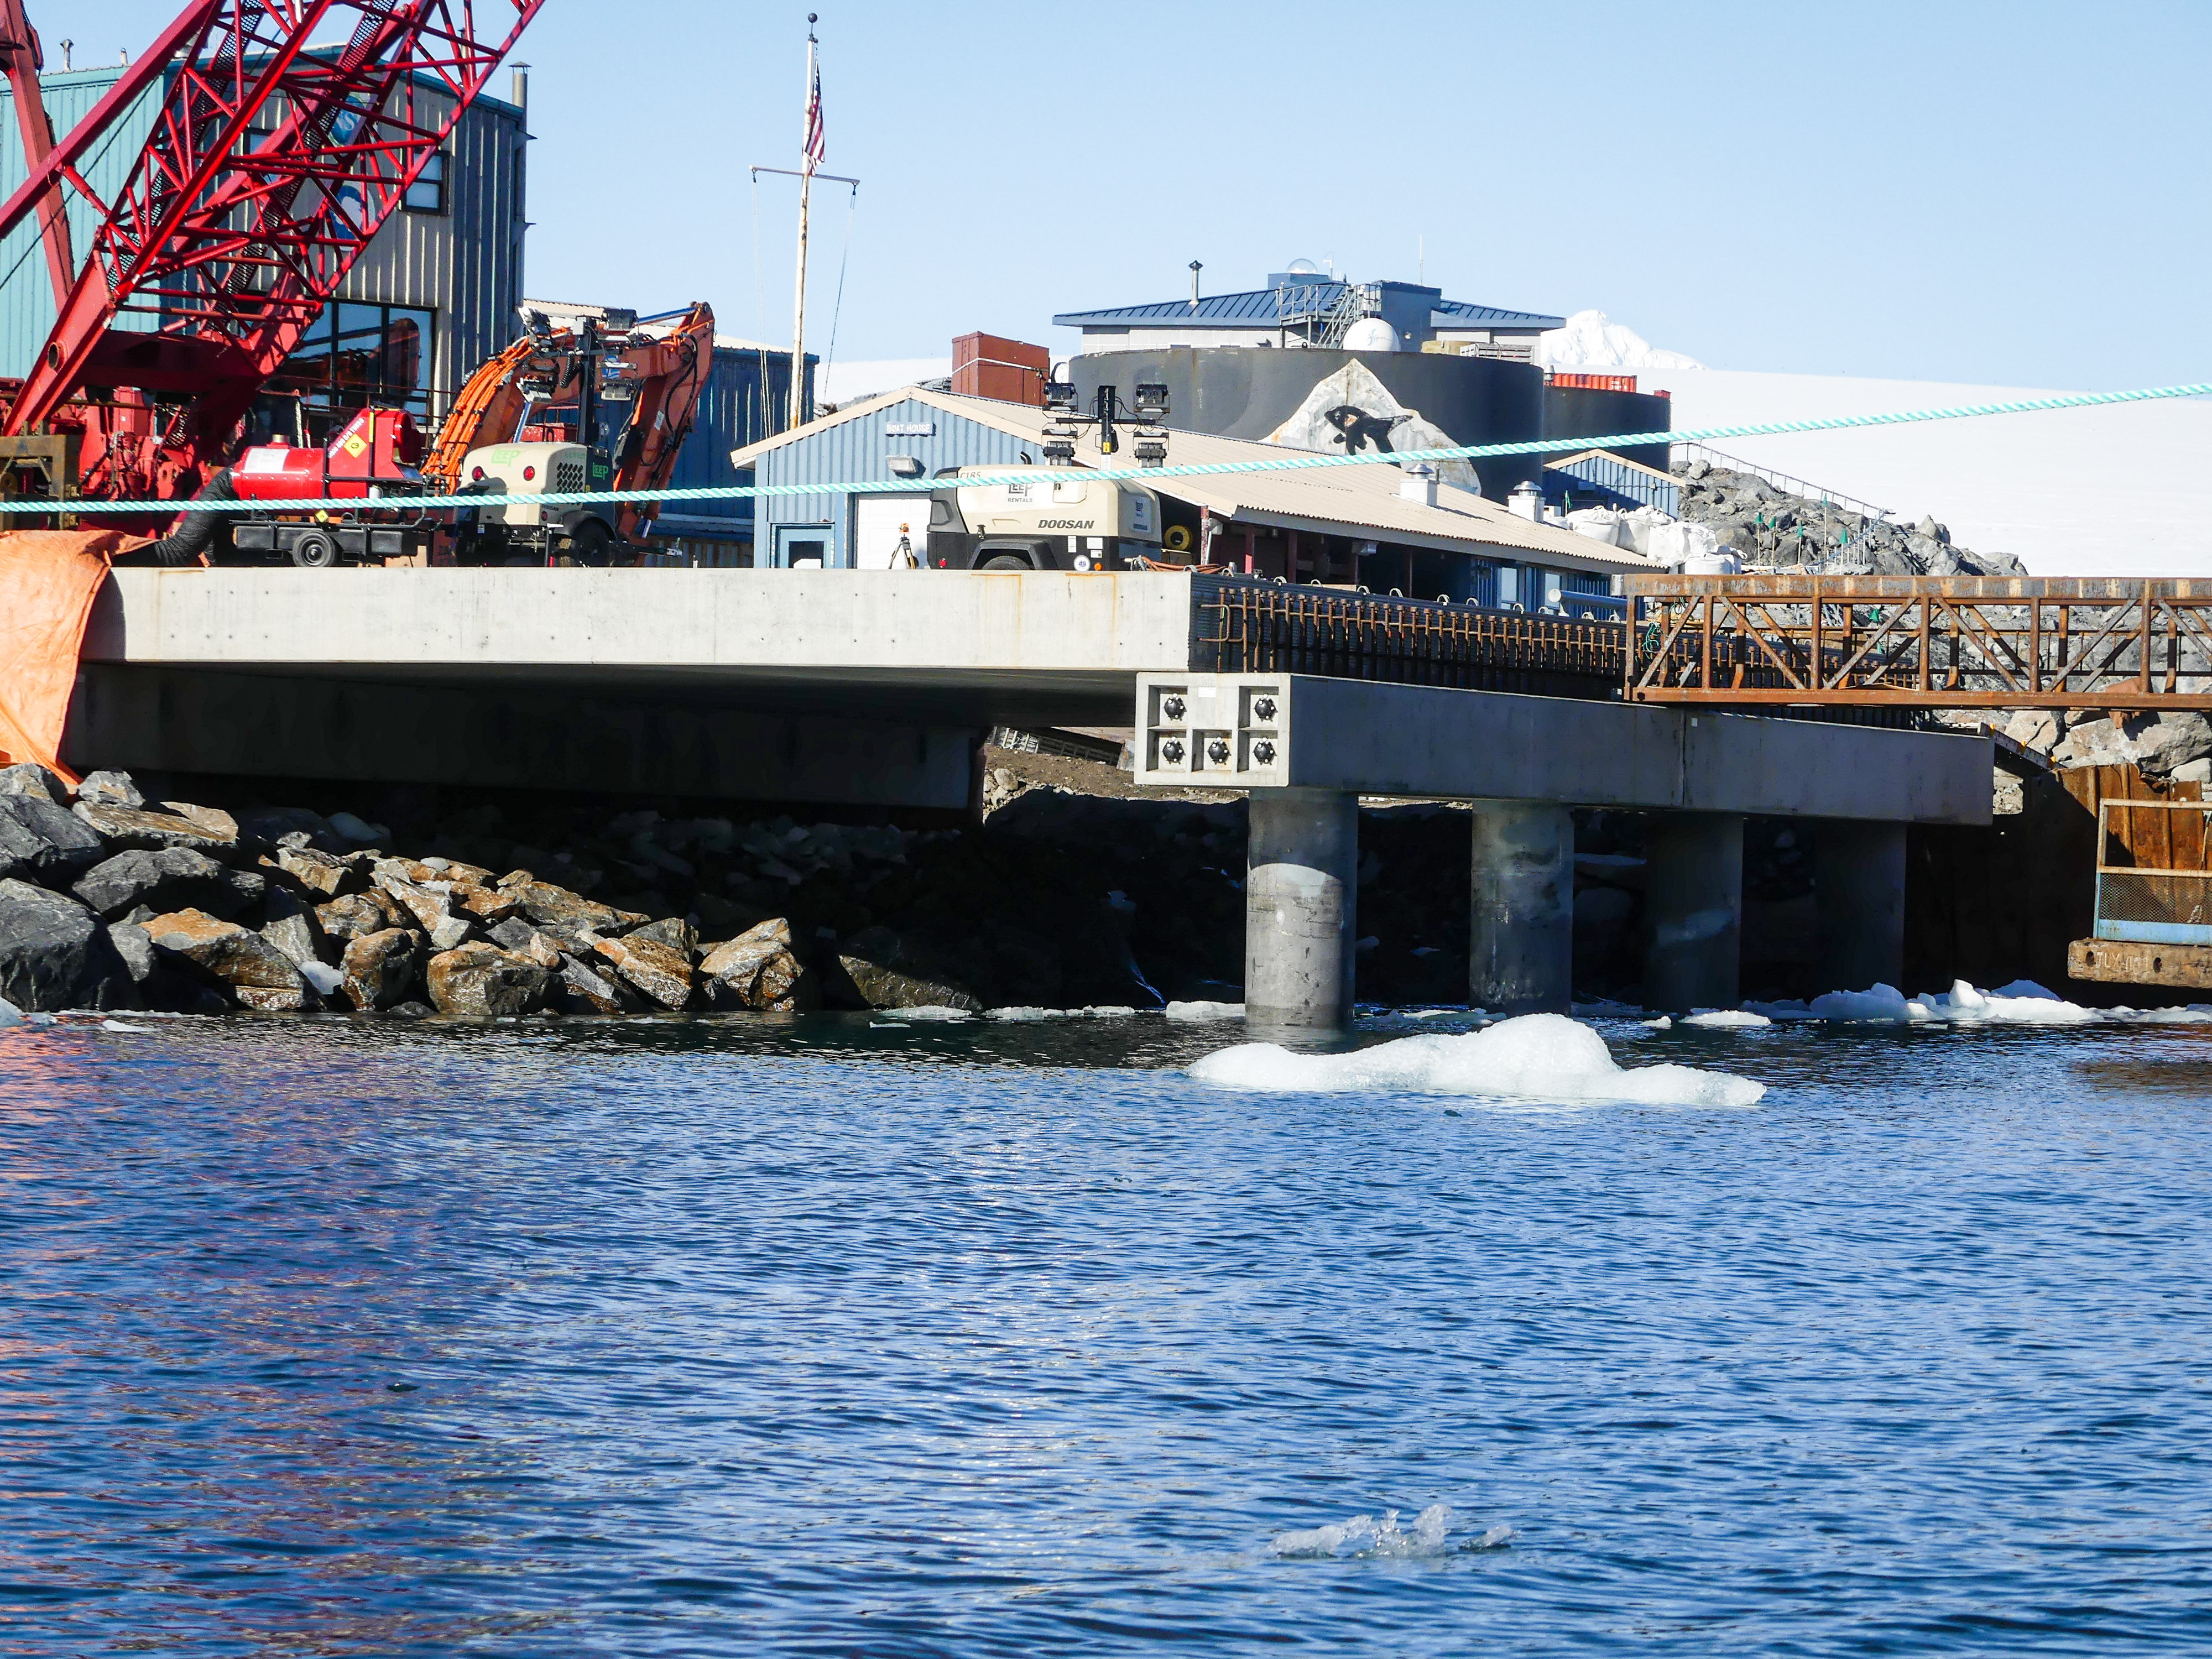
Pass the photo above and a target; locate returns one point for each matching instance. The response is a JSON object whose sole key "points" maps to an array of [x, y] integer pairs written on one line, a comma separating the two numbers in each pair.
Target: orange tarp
{"points": [[48, 580]]}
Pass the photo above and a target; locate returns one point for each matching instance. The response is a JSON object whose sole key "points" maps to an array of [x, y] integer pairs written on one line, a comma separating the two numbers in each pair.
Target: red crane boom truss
{"points": [[271, 166]]}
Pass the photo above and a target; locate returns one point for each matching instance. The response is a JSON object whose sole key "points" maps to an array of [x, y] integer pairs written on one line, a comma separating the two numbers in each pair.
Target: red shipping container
{"points": [[1010, 371], [1594, 382]]}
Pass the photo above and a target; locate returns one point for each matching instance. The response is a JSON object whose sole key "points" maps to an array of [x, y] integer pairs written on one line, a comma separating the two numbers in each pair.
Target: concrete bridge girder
{"points": [[1524, 761]]}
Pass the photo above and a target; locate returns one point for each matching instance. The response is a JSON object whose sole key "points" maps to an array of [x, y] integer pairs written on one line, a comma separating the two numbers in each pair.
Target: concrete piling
{"points": [[1858, 893], [1301, 892], [1522, 909], [1693, 911]]}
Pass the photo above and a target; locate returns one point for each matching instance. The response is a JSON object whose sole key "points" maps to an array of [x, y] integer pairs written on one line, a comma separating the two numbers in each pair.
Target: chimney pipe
{"points": [[521, 88]]}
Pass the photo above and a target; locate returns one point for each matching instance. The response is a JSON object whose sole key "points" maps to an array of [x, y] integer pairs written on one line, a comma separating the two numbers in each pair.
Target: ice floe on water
{"points": [[2023, 1002], [1369, 1535], [1020, 1014], [1198, 1013], [1543, 1057], [1726, 1019]]}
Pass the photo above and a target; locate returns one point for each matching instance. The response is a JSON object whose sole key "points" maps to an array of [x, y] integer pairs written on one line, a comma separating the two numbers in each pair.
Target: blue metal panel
{"points": [[2153, 932], [743, 401], [861, 448], [27, 296], [1261, 308]]}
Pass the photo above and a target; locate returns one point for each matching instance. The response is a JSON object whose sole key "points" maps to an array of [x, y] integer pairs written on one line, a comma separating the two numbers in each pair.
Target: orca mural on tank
{"points": [[1352, 410]]}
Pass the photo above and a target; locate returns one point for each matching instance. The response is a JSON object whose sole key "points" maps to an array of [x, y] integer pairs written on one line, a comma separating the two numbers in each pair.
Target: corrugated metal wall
{"points": [[861, 449], [465, 264], [26, 295]]}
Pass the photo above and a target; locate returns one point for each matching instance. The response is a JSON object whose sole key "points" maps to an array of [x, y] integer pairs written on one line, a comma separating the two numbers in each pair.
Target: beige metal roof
{"points": [[1340, 500]]}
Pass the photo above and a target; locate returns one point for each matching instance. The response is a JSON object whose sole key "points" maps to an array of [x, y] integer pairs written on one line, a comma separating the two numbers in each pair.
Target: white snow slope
{"points": [[2118, 491]]}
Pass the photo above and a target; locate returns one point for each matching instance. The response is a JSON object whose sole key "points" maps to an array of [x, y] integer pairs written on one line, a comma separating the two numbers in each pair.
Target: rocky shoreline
{"points": [[113, 899]]}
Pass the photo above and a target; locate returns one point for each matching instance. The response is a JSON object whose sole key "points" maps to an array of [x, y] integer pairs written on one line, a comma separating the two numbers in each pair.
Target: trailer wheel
{"points": [[588, 544], [315, 550], [1007, 561]]}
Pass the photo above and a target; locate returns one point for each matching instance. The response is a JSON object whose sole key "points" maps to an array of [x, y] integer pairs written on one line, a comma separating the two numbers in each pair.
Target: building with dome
{"points": [[1305, 307]]}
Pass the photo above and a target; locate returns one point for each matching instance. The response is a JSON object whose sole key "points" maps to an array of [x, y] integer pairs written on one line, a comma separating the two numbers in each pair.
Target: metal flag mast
{"points": [[811, 153]]}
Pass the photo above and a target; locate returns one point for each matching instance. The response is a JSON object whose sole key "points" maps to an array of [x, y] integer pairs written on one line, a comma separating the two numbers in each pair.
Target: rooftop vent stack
{"points": [[522, 87], [1419, 483], [1527, 501]]}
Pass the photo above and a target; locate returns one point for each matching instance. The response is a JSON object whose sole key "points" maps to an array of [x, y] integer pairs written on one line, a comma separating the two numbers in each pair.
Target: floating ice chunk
{"points": [[324, 978], [118, 1025], [1726, 1019], [1023, 1015], [2023, 1002], [1782, 1010], [1106, 1011], [1196, 1012], [933, 1012], [1664, 1023], [1365, 1535], [1878, 1004], [9, 1013], [1538, 1056]]}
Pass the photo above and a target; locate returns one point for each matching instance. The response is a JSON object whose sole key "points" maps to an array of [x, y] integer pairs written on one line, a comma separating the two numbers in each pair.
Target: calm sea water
{"points": [[821, 1339]]}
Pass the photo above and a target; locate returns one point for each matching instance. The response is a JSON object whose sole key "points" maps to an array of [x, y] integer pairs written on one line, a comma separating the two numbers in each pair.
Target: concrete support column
{"points": [[1520, 931], [1692, 911], [1858, 891], [1301, 890]]}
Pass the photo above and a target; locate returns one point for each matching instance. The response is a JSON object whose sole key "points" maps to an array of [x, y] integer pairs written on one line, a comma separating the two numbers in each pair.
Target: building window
{"points": [[360, 356], [427, 193]]}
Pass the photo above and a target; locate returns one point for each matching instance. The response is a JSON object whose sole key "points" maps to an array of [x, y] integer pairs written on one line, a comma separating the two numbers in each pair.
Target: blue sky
{"points": [[2011, 194]]}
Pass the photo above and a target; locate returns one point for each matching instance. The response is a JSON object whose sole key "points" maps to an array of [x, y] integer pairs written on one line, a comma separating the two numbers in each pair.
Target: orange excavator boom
{"points": [[666, 373]]}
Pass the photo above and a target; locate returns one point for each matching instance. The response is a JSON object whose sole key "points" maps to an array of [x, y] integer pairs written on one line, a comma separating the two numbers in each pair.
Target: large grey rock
{"points": [[321, 873], [579, 989], [43, 842], [175, 878], [110, 789], [674, 932], [380, 969], [31, 779], [54, 954], [482, 981], [127, 829], [890, 971], [518, 936], [759, 969], [570, 916], [356, 915], [252, 969], [661, 972], [289, 923]]}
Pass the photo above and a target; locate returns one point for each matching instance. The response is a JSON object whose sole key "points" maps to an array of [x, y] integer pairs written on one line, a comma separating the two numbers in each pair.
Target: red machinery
{"points": [[269, 168]]}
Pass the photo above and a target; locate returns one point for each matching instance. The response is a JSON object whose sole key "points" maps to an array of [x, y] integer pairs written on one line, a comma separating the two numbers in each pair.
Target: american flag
{"points": [[814, 148]]}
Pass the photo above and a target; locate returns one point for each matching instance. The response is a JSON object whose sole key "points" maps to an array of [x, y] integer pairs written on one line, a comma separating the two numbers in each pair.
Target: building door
{"points": [[804, 546], [881, 524]]}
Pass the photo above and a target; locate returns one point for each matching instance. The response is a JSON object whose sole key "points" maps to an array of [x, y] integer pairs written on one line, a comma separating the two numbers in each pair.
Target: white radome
{"points": [[1371, 334]]}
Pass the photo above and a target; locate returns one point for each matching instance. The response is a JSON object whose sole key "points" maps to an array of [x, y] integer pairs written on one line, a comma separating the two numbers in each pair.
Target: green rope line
{"points": [[1291, 463]]}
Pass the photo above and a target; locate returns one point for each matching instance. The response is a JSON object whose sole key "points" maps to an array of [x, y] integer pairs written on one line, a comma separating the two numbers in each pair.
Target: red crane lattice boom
{"points": [[270, 164]]}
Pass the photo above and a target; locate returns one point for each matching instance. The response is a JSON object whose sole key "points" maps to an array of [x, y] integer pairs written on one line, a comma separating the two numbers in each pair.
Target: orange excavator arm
{"points": [[489, 408], [671, 374]]}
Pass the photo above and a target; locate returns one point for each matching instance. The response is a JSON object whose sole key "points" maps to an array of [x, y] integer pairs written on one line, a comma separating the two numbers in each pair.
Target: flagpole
{"points": [[807, 159]]}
